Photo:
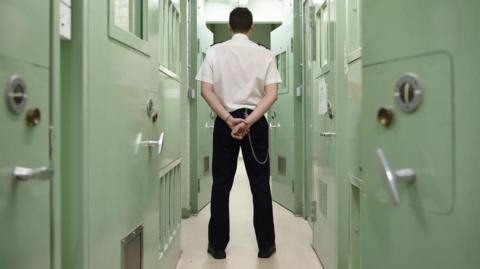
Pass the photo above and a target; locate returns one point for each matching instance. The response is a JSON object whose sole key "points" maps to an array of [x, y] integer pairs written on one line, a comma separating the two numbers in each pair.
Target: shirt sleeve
{"points": [[205, 72], [273, 76]]}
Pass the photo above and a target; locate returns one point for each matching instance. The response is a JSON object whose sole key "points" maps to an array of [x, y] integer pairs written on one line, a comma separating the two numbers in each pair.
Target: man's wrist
{"points": [[228, 117], [248, 122]]}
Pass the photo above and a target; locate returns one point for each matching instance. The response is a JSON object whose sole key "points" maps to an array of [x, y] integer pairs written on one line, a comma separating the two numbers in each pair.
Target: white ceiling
{"points": [[264, 11]]}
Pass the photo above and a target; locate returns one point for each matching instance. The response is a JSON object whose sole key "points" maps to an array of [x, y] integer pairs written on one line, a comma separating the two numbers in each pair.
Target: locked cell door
{"points": [[407, 155], [407, 151], [324, 176], [205, 121], [280, 118], [25, 174]]}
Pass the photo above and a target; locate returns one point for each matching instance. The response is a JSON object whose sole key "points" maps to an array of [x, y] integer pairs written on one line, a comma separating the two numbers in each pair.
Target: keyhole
{"points": [[18, 94], [407, 92], [330, 110]]}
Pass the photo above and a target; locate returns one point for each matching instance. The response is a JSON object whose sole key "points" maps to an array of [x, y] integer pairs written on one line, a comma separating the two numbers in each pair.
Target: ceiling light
{"points": [[242, 2]]}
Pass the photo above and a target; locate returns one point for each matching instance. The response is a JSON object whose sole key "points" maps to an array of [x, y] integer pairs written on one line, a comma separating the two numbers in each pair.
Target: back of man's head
{"points": [[241, 20]]}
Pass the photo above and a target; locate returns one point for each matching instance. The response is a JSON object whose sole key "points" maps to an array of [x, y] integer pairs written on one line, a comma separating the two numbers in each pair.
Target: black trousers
{"points": [[224, 165]]}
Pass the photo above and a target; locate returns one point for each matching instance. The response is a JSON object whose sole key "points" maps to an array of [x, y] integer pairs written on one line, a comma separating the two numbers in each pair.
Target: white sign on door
{"points": [[322, 97]]}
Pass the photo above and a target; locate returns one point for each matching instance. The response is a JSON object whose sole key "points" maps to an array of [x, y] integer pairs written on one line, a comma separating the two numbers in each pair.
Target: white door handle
{"points": [[393, 176], [328, 134], [24, 173], [274, 126], [209, 125], [152, 143]]}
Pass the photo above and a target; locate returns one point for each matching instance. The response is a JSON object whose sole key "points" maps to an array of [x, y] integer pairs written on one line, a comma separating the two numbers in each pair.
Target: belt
{"points": [[240, 113]]}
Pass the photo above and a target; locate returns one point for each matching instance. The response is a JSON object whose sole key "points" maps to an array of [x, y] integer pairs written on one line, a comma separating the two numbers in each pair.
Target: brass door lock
{"points": [[34, 116], [385, 116]]}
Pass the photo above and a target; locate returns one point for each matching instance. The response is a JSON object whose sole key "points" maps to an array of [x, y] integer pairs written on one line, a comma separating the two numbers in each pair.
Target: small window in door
{"points": [[353, 29], [128, 23], [129, 16], [322, 36], [170, 27], [282, 66]]}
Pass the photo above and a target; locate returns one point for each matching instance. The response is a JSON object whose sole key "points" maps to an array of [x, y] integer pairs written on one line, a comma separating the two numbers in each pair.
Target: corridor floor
{"points": [[293, 237]]}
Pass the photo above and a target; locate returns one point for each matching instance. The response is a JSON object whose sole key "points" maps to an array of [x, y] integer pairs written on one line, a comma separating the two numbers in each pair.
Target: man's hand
{"points": [[232, 122], [240, 130], [239, 127]]}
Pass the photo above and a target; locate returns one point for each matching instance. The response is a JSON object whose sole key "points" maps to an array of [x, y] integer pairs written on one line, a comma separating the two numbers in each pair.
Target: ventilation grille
{"points": [[170, 207], [282, 165], [323, 199], [132, 249]]}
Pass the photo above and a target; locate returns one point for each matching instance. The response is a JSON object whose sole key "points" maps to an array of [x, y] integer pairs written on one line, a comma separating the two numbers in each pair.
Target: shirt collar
{"points": [[240, 37]]}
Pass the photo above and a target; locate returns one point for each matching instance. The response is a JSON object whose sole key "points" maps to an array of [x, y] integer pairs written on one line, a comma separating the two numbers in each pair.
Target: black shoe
{"points": [[266, 253], [217, 254]]}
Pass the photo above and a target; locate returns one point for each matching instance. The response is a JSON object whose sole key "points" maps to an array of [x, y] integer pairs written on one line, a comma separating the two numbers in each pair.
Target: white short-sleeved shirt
{"points": [[239, 69]]}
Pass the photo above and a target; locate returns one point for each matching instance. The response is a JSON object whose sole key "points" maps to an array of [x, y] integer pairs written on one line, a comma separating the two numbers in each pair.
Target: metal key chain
{"points": [[251, 146]]}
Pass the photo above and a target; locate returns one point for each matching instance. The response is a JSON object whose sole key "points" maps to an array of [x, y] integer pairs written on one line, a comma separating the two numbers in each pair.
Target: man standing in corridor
{"points": [[239, 82]]}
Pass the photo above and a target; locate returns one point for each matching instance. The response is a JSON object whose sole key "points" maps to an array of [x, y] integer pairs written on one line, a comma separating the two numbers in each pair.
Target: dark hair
{"points": [[241, 20]]}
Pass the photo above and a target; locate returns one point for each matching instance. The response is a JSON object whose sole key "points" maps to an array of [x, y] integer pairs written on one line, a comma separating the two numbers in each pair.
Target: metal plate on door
{"points": [[16, 94], [408, 92], [132, 249]]}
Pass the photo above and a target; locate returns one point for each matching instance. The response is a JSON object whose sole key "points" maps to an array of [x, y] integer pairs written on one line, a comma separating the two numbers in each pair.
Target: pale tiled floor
{"points": [[293, 237]]}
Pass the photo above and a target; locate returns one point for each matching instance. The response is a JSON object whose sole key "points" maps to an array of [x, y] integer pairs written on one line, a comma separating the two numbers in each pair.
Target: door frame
{"points": [[55, 135]]}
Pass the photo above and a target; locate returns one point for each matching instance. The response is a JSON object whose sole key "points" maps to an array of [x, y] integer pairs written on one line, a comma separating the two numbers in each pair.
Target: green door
{"points": [[25, 208], [324, 139], [280, 117], [419, 199], [203, 118], [395, 213]]}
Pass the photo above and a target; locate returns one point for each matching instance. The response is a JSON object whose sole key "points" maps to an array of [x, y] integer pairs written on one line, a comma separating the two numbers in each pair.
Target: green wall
{"points": [[260, 33]]}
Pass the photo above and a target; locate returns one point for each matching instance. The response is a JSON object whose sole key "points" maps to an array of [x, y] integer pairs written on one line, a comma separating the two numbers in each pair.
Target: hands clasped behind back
{"points": [[239, 126]]}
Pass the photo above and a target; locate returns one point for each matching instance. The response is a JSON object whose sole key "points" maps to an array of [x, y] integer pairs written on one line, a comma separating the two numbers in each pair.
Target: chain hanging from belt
{"points": [[251, 146]]}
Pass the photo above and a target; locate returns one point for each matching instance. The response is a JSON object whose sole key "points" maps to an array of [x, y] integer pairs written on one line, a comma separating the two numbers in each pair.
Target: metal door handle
{"points": [[152, 143], [393, 176], [274, 126], [24, 173], [328, 134], [209, 125]]}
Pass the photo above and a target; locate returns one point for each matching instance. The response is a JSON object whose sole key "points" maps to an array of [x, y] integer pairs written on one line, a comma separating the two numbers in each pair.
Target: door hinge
{"points": [[345, 58], [313, 211], [293, 185], [299, 91], [51, 141], [291, 44], [198, 185], [192, 94]]}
